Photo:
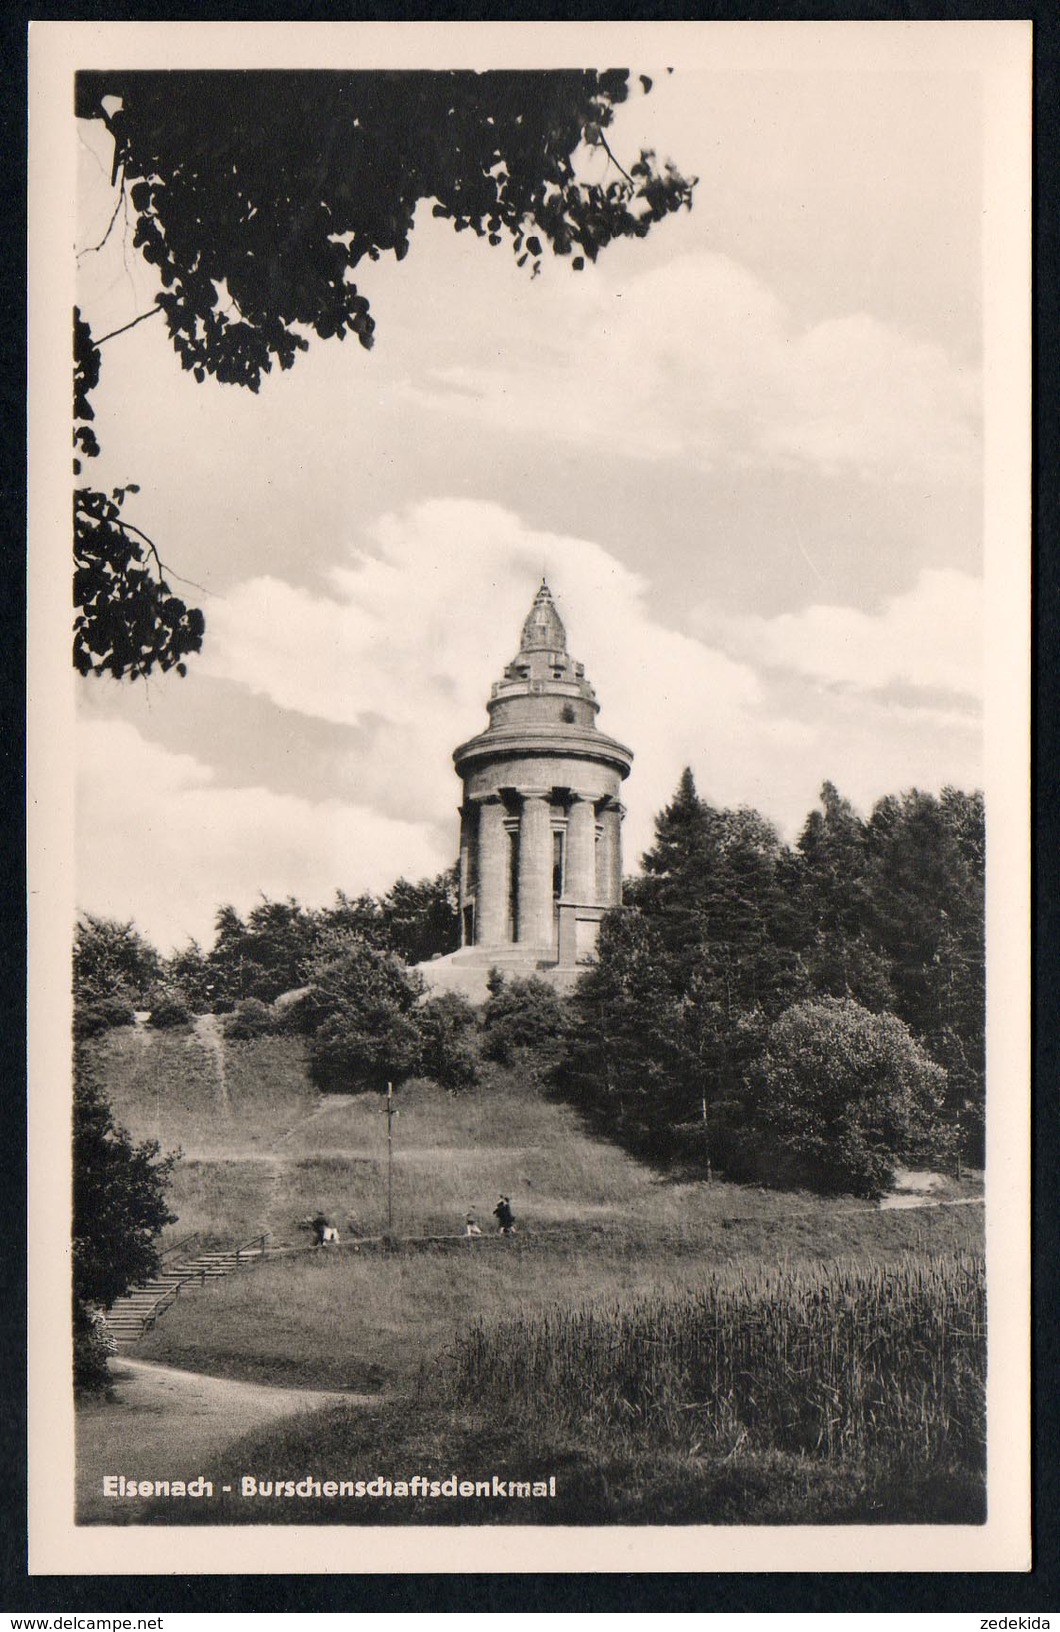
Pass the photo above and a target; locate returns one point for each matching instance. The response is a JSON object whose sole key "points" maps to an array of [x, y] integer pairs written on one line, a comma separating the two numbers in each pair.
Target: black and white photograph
{"points": [[529, 924]]}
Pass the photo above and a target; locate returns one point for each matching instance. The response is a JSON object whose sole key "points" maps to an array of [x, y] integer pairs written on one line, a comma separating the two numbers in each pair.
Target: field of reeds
{"points": [[837, 1360], [839, 1392]]}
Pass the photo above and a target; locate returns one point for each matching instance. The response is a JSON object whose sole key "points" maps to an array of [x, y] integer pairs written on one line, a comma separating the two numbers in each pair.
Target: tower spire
{"points": [[543, 629]]}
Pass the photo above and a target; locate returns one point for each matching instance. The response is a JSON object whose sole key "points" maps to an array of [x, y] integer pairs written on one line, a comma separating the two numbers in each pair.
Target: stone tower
{"points": [[540, 819]]}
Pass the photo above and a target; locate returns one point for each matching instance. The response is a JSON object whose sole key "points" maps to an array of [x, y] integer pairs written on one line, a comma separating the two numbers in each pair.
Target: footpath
{"points": [[167, 1423]]}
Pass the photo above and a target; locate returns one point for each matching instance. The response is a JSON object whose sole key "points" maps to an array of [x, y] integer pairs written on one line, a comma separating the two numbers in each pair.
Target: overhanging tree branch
{"points": [[154, 311], [268, 189]]}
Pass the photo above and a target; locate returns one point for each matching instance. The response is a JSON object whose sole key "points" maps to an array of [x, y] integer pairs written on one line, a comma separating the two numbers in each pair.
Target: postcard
{"points": [[529, 949]]}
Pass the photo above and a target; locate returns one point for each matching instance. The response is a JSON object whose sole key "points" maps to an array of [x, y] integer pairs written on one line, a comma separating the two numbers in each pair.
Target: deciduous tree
{"points": [[360, 1013], [119, 1210], [837, 1098]]}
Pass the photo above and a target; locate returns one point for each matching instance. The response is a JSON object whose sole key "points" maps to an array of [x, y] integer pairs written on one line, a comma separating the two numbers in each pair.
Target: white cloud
{"points": [[698, 359], [160, 838], [930, 636]]}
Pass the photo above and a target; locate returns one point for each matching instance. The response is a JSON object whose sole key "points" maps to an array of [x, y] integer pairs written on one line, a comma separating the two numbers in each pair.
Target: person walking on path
{"points": [[325, 1232], [504, 1216]]}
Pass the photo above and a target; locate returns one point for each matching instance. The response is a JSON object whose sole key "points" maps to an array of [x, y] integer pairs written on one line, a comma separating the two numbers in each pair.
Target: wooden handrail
{"points": [[257, 1241], [178, 1246]]}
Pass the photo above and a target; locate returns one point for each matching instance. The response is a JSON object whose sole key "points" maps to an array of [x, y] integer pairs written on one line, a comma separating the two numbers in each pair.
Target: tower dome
{"points": [[540, 819]]}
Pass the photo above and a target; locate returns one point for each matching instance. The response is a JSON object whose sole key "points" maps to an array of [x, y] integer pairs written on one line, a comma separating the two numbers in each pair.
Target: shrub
{"points": [[112, 959], [360, 1015], [92, 1349], [835, 1100], [448, 1031], [119, 1211], [168, 1009], [522, 1016], [250, 1018], [93, 1018]]}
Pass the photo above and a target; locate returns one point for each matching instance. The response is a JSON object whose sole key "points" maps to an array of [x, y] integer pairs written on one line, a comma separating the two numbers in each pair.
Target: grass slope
{"points": [[597, 1230]]}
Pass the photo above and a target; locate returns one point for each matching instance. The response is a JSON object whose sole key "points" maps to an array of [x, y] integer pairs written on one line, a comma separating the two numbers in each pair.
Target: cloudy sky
{"points": [[747, 453]]}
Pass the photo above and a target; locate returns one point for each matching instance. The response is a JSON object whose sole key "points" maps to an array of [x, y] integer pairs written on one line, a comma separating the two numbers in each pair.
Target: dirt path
{"points": [[206, 1030], [169, 1424]]}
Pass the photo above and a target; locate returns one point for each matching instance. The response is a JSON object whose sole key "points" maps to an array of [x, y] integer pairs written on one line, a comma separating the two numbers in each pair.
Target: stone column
{"points": [[491, 903], [466, 884], [535, 870], [580, 881], [609, 869]]}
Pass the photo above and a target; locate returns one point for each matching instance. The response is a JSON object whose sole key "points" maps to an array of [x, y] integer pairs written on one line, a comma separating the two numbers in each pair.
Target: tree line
{"points": [[786, 1009], [256, 957]]}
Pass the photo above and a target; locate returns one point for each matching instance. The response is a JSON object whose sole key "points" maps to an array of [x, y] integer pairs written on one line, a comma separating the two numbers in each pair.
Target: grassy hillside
{"points": [[261, 1149], [600, 1235]]}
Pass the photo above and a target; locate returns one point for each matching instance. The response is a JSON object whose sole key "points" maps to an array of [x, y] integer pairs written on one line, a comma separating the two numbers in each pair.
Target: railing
{"points": [[158, 1308], [255, 1245], [178, 1246]]}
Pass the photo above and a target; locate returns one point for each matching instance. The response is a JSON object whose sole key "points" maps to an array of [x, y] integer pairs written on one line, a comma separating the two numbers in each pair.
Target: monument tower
{"points": [[540, 819]]}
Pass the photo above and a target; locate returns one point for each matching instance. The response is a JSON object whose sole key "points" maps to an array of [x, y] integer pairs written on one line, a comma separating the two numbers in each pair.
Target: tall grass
{"points": [[840, 1361]]}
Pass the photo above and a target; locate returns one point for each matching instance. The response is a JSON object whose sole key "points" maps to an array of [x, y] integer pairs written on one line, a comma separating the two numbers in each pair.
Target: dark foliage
{"points": [[449, 1041], [835, 1100], [258, 195], [119, 1210], [188, 972], [269, 952], [420, 921], [86, 377], [522, 1017], [127, 620], [114, 970], [167, 1010], [113, 959], [261, 956], [360, 1016], [249, 1019], [98, 1015], [728, 930]]}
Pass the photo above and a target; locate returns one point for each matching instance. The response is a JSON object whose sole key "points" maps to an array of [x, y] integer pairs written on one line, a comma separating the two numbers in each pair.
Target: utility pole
{"points": [[390, 1158], [706, 1144]]}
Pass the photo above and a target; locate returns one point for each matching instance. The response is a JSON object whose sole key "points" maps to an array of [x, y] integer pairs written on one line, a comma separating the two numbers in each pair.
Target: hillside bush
{"points": [[112, 959], [119, 1211], [522, 1017], [250, 1018], [837, 1098], [98, 1015], [449, 1041], [168, 1009], [361, 1020]]}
